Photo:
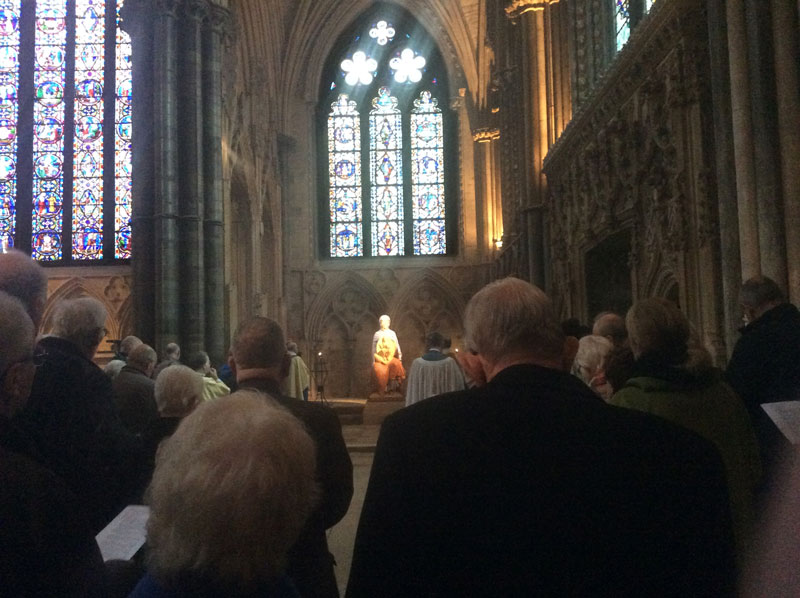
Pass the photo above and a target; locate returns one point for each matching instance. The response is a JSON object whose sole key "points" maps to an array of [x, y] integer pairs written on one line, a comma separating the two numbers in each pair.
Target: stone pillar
{"points": [[741, 112], [488, 175], [766, 154], [785, 38], [543, 88], [730, 261], [190, 162], [217, 26], [139, 21]]}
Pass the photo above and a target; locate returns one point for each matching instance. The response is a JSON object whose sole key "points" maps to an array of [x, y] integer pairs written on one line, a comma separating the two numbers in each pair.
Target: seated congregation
{"points": [[618, 464]]}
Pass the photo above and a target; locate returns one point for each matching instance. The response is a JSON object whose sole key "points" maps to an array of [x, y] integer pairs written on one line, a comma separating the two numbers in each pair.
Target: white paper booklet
{"points": [[786, 416], [125, 535]]}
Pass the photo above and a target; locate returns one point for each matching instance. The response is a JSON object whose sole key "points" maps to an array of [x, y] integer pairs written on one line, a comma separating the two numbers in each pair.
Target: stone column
{"points": [[741, 112], [785, 38], [155, 167], [139, 21], [730, 262], [543, 85], [190, 162], [489, 184], [217, 25], [766, 155]]}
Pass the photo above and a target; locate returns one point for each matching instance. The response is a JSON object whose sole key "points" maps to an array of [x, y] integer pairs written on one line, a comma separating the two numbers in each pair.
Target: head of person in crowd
{"points": [[759, 295], [258, 349], [178, 390], [590, 359], [17, 366], [81, 322], [143, 358], [660, 332], [128, 344], [611, 326], [199, 362], [173, 351], [231, 491], [435, 341], [291, 347], [23, 278], [510, 322]]}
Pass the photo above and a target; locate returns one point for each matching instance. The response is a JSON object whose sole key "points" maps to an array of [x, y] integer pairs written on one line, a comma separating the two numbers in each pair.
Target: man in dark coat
{"points": [[72, 418], [260, 361], [134, 390], [530, 486], [46, 546], [765, 365]]}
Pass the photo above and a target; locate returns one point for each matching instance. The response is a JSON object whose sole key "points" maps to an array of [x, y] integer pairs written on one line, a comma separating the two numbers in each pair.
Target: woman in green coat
{"points": [[674, 378]]}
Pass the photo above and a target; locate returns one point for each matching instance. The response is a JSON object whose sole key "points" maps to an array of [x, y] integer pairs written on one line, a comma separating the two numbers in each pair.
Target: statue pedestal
{"points": [[377, 397]]}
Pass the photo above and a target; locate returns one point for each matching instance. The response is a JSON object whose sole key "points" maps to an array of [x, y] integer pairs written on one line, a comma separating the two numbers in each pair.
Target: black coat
{"points": [[529, 486], [765, 365], [46, 546], [134, 397], [76, 429], [310, 562]]}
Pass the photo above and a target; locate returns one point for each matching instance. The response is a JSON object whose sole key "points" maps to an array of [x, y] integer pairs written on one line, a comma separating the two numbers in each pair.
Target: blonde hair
{"points": [[656, 326], [178, 390], [231, 491]]}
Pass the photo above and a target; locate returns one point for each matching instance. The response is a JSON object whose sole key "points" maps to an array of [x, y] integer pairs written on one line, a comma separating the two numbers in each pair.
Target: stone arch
{"points": [[427, 302], [76, 288], [340, 324]]}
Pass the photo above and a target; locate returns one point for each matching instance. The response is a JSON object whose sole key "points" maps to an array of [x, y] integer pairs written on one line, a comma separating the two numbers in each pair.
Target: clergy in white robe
{"points": [[434, 373]]}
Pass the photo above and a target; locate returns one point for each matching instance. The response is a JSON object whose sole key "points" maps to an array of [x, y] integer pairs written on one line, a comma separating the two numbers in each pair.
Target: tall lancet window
{"points": [[627, 15], [386, 158], [65, 110]]}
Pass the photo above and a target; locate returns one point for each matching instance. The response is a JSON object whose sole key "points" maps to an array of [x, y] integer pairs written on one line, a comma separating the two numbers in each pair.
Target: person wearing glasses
{"points": [[72, 417], [46, 546]]}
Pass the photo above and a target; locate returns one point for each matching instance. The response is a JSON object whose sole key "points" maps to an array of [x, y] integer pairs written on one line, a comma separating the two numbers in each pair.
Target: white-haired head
{"points": [[22, 277], [16, 352], [82, 322], [231, 491]]}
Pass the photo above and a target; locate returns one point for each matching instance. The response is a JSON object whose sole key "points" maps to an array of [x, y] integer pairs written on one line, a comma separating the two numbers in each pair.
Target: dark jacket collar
{"points": [[779, 313], [529, 376], [55, 345], [267, 385]]}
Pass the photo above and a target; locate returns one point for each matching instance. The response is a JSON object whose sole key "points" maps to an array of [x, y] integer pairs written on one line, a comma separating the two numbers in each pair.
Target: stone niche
{"points": [[341, 309], [111, 285]]}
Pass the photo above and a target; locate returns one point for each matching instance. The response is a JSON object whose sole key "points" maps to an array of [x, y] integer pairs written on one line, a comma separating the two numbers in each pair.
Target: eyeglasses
{"points": [[36, 360]]}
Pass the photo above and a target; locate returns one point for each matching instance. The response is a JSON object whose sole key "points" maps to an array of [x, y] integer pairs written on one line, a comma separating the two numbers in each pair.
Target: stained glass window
{"points": [[627, 16], [622, 19], [9, 83], [61, 194], [427, 188], [386, 177], [344, 151]]}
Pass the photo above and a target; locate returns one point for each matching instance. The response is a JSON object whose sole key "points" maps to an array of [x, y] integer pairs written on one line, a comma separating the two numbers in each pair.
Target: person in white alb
{"points": [[434, 373]]}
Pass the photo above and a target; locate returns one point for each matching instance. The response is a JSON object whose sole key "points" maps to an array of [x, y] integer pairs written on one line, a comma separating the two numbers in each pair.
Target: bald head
{"points": [[23, 278], [511, 317], [611, 326], [258, 343]]}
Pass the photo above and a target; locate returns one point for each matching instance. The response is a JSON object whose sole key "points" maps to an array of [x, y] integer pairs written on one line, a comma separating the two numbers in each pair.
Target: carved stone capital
{"points": [[485, 135], [220, 20], [168, 8], [197, 10], [517, 8]]}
